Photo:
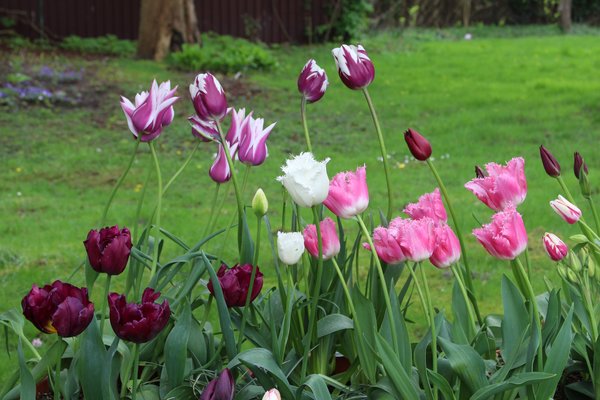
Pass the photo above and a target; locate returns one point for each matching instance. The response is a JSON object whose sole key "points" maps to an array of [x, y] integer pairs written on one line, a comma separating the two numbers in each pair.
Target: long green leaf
{"points": [[466, 363], [317, 386], [515, 381], [27, 382], [176, 347], [91, 352], [394, 369], [333, 323], [259, 360]]}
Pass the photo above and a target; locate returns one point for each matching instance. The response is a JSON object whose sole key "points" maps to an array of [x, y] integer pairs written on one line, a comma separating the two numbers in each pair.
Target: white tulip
{"points": [[272, 394], [306, 179], [290, 247]]}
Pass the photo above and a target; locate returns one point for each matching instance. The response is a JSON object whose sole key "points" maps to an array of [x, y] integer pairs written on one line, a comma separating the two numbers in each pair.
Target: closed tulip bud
{"points": [[572, 276], [208, 97], [235, 283], [417, 144], [574, 262], [219, 171], [260, 204], [591, 267], [579, 165], [555, 248], [549, 162], [505, 237], [138, 323], [562, 271], [312, 81], [252, 148], [220, 388], [348, 193], [272, 394], [306, 179], [108, 250], [566, 210], [479, 173], [329, 238], [354, 66], [290, 247]]}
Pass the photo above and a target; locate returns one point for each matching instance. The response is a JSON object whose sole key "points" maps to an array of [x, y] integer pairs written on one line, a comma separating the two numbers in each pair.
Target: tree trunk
{"points": [[564, 8], [165, 25]]}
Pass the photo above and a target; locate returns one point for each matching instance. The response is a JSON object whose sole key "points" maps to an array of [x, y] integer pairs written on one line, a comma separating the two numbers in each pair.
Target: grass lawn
{"points": [[488, 99]]}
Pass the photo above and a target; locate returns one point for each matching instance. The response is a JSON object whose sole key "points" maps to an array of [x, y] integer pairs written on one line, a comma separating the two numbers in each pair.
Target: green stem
{"points": [[57, 379], [135, 370], [180, 170], [212, 211], [386, 166], [303, 114], [158, 207], [347, 293], [103, 315], [31, 347], [590, 307], [385, 289], [595, 214], [565, 189], [463, 290], [206, 312]]}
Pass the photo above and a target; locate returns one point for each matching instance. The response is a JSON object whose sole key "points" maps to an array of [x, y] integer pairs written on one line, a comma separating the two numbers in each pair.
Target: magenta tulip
{"points": [[555, 248], [579, 165], [551, 165], [416, 237], [220, 171], [239, 120], [387, 245], [329, 238], [253, 141], [505, 237], [348, 193], [108, 250], [312, 81], [208, 97], [205, 130], [151, 112], [430, 205], [220, 388], [447, 247], [504, 187], [354, 66], [58, 308], [566, 210], [419, 147], [235, 283]]}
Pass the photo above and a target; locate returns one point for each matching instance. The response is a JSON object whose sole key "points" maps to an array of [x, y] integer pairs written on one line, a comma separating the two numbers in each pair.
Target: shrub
{"points": [[107, 45]]}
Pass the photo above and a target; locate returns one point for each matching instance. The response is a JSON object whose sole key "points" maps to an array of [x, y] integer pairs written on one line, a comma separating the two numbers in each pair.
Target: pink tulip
{"points": [[505, 186], [253, 141], [219, 171], [505, 237], [555, 248], [567, 211], [312, 81], [447, 247], [208, 97], [354, 66], [272, 394], [429, 205], [416, 237], [329, 237], [151, 112], [348, 193], [387, 245]]}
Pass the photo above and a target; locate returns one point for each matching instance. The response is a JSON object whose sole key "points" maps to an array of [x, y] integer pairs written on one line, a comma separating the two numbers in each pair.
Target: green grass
{"points": [[488, 99]]}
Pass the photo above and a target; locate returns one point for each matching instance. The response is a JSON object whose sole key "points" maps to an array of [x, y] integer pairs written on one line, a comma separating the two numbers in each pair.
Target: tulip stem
{"points": [[103, 315], [180, 170], [463, 290], [565, 189], [347, 293], [386, 166], [213, 206], [303, 114], [57, 379], [386, 294], [136, 367], [157, 214], [31, 347], [594, 213]]}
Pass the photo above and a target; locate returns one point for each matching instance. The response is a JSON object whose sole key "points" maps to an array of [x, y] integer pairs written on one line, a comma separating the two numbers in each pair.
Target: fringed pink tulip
{"points": [[208, 97], [416, 237], [566, 210], [387, 245], [220, 171], [329, 237], [505, 186], [505, 237], [430, 205], [447, 247], [253, 141], [354, 66], [555, 248], [348, 193], [312, 81]]}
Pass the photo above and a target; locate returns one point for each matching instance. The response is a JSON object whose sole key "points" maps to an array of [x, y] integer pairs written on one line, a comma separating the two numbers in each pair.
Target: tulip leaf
{"points": [[181, 393], [110, 370], [176, 347], [441, 384], [27, 382], [403, 341], [515, 323], [466, 363], [148, 392], [259, 360], [365, 316], [246, 245], [91, 351], [13, 319], [515, 381], [317, 386], [394, 369], [333, 323]]}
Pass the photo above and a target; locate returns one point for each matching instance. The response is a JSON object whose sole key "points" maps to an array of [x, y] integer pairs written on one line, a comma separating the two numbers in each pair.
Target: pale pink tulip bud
{"points": [[348, 193], [272, 394], [208, 97], [447, 247], [387, 245], [505, 237], [567, 210], [504, 187], [416, 237], [312, 81], [354, 66], [253, 141], [555, 248], [429, 205], [219, 171], [329, 238], [151, 112]]}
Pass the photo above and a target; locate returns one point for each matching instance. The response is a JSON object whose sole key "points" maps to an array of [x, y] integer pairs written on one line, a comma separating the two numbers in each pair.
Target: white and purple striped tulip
{"points": [[208, 97], [151, 112], [566, 210], [220, 171], [312, 81], [205, 130], [354, 66], [239, 120], [554, 246], [253, 141]]}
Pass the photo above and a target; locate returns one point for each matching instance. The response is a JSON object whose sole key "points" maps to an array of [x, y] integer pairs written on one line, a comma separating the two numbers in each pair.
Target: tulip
{"points": [[239, 120], [260, 204], [235, 283], [220, 388], [108, 250], [348, 193], [566, 210], [354, 66], [387, 245], [208, 97], [504, 187], [151, 112], [138, 323], [253, 148], [58, 308], [290, 247], [417, 144], [312, 81], [579, 164], [306, 179], [329, 238], [505, 237], [555, 248], [479, 173], [549, 162], [272, 394], [416, 237], [430, 205], [219, 170], [205, 130], [447, 247]]}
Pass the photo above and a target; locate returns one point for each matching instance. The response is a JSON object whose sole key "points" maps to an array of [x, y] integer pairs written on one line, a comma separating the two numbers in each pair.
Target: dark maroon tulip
{"points": [[235, 283], [108, 250], [417, 144], [479, 173], [220, 388], [208, 97], [138, 323], [58, 308], [312, 81], [578, 164], [551, 166]]}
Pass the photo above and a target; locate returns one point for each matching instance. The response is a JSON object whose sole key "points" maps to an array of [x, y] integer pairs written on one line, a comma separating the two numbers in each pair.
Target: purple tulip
{"points": [[239, 120], [417, 144], [152, 111], [354, 66], [551, 165], [253, 146], [108, 250], [58, 308], [579, 165], [235, 283], [312, 81], [220, 388], [208, 97], [138, 323], [219, 170]]}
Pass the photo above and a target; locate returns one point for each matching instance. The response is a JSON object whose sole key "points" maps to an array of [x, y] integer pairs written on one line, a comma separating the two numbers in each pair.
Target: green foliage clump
{"points": [[107, 45], [347, 24], [223, 54]]}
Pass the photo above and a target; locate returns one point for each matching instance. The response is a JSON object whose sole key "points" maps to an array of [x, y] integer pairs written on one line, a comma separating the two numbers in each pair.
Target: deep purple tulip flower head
{"points": [[138, 323], [312, 81], [219, 170], [253, 141], [208, 97], [354, 66], [235, 283], [58, 308], [220, 388], [151, 112], [108, 250]]}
